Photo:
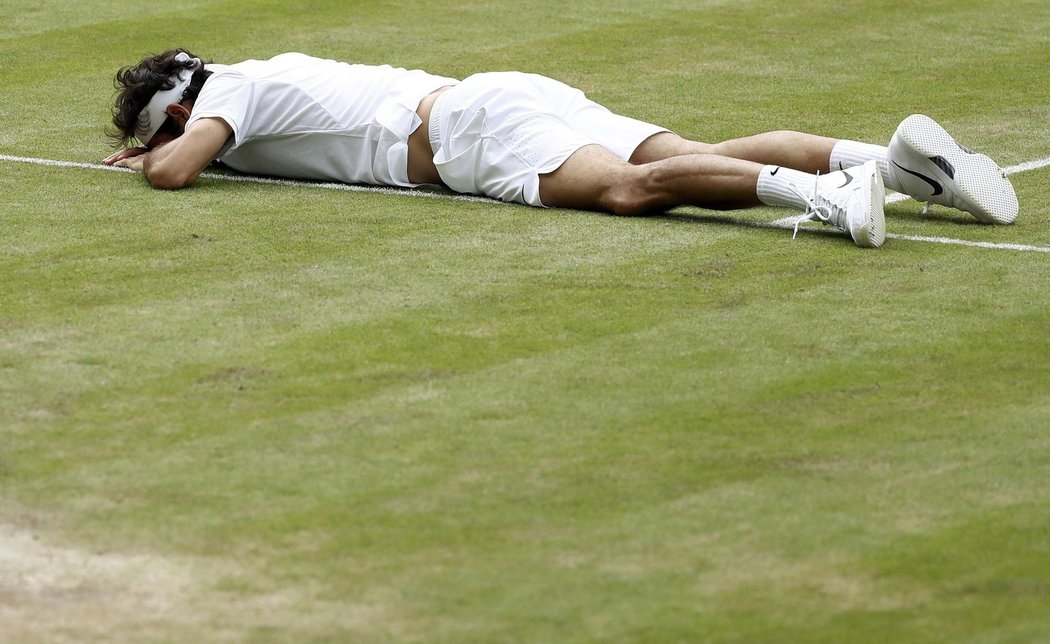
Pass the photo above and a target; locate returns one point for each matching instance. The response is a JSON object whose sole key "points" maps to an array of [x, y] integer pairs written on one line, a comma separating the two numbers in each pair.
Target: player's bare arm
{"points": [[178, 163]]}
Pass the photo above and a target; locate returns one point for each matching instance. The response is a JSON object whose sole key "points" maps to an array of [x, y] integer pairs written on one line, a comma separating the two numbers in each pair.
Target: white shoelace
{"points": [[813, 211]]}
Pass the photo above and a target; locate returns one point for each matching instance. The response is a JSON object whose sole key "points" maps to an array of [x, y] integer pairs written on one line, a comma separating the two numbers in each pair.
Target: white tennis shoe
{"points": [[852, 200], [932, 167]]}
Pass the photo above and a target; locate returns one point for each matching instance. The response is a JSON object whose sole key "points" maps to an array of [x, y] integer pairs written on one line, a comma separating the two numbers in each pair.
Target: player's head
{"points": [[145, 90]]}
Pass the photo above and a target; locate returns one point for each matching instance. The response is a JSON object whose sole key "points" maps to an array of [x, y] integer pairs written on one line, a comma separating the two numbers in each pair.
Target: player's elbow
{"points": [[166, 178]]}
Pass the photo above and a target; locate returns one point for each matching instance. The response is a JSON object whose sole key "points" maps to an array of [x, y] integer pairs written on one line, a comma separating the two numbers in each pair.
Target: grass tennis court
{"points": [[251, 412]]}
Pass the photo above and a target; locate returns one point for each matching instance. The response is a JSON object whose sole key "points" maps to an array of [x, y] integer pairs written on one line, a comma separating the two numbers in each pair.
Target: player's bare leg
{"points": [[798, 150], [594, 178], [922, 161]]}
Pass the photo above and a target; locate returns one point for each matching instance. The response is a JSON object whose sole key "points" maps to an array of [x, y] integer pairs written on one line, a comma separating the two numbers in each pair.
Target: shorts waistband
{"points": [[434, 130]]}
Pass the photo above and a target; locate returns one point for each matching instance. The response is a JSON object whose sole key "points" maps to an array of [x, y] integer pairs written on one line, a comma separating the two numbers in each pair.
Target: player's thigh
{"points": [[586, 180], [664, 145]]}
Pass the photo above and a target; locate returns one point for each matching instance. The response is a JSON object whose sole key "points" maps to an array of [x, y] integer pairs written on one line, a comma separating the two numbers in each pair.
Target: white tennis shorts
{"points": [[494, 134]]}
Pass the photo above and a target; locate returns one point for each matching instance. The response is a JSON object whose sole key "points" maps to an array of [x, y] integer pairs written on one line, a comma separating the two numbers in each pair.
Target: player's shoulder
{"points": [[294, 57]]}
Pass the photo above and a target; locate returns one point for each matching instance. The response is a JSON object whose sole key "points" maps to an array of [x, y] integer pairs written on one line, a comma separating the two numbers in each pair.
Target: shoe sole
{"points": [[986, 192], [873, 233]]}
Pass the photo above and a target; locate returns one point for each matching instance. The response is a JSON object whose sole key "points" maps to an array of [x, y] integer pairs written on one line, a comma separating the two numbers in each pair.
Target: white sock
{"points": [[773, 188], [847, 154]]}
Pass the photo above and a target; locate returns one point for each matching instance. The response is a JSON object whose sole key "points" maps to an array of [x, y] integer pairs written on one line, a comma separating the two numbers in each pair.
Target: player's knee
{"points": [[632, 195]]}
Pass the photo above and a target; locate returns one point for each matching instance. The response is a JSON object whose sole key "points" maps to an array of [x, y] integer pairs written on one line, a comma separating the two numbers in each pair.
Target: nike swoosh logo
{"points": [[849, 179], [774, 171], [937, 188]]}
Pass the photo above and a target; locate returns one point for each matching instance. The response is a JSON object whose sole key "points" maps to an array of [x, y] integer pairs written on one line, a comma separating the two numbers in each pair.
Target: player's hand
{"points": [[129, 158]]}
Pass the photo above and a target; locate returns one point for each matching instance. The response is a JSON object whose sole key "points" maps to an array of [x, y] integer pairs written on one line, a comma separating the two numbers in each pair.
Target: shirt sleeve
{"points": [[230, 96]]}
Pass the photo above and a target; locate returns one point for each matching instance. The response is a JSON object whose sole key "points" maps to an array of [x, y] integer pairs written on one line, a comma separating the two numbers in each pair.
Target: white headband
{"points": [[153, 115]]}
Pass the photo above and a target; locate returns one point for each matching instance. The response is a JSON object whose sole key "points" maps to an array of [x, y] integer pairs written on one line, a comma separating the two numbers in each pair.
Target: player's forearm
{"points": [[163, 172]]}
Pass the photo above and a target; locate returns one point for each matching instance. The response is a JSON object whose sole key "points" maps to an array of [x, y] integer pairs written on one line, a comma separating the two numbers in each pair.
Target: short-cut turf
{"points": [[255, 412]]}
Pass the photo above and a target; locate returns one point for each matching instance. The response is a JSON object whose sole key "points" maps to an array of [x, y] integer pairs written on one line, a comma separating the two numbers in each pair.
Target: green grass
{"points": [[248, 412]]}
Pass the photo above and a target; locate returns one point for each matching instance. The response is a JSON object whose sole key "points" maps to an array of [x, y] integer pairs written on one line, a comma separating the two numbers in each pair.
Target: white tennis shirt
{"points": [[302, 117]]}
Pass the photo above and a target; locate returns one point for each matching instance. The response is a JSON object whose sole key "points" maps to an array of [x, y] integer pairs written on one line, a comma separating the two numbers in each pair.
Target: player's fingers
{"points": [[127, 162], [113, 159]]}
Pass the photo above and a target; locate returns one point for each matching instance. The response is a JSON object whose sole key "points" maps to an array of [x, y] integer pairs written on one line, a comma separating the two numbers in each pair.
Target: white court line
{"points": [[787, 222], [410, 192], [975, 244]]}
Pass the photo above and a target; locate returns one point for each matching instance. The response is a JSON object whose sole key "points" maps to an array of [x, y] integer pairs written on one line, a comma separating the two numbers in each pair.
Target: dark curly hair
{"points": [[137, 84]]}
